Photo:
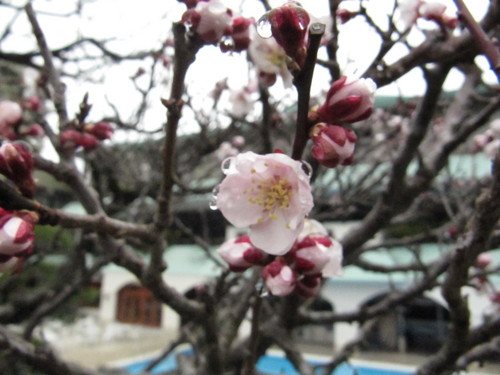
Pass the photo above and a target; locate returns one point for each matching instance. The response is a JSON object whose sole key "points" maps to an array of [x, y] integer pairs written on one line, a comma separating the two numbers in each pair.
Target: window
{"points": [[137, 305]]}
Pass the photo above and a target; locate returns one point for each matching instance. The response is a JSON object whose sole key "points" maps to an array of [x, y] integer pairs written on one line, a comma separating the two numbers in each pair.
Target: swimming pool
{"points": [[273, 364]]}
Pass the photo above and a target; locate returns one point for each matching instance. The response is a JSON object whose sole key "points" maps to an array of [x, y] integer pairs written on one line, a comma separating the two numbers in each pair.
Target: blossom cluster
{"points": [[313, 255], [271, 194]]}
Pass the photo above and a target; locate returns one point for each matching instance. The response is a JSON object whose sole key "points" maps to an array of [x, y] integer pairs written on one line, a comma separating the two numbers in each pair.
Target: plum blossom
{"points": [[240, 254], [270, 194], [270, 59], [348, 100], [279, 278], [16, 235], [210, 19], [332, 144]]}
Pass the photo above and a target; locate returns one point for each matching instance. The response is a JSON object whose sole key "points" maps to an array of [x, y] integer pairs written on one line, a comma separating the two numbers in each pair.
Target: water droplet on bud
{"points": [[264, 27]]}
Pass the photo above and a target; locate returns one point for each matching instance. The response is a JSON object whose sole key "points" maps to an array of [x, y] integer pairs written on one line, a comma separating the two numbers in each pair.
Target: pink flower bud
{"points": [[101, 130], [289, 24], [88, 142], [16, 235], [318, 255], [483, 260], [332, 145], [348, 100], [16, 163], [279, 278], [210, 19], [71, 139], [240, 254]]}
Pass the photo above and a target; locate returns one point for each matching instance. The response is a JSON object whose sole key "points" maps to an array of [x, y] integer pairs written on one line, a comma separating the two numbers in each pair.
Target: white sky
{"points": [[141, 25]]}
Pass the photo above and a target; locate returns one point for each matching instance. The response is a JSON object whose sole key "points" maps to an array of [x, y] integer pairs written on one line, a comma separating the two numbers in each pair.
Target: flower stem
{"points": [[303, 84]]}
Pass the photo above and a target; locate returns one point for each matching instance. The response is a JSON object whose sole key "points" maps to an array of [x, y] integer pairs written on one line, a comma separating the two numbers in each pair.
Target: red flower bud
{"points": [[16, 235], [348, 101], [289, 24], [101, 130], [16, 163], [280, 279]]}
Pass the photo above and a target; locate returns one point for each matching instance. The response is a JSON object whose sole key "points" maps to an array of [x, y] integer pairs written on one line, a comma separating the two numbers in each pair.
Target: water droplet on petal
{"points": [[307, 168], [227, 164], [264, 27]]}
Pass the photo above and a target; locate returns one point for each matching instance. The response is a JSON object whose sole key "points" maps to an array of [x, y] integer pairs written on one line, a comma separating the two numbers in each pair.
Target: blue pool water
{"points": [[272, 365]]}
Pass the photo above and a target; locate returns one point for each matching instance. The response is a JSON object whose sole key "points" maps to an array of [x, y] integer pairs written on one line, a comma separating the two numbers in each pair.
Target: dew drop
{"points": [[307, 168], [264, 27], [213, 200], [213, 204], [227, 164]]}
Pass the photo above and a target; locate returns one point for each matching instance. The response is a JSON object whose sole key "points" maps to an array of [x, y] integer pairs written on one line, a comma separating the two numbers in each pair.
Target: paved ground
{"points": [[96, 355], [92, 344]]}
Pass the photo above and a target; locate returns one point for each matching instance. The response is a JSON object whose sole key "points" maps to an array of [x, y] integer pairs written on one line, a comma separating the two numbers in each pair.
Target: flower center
{"points": [[271, 194]]}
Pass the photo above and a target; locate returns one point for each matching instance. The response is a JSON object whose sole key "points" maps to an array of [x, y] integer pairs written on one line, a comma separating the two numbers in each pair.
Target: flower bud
{"points": [[348, 100], [318, 255], [289, 24], [308, 286], [241, 33], [16, 235], [16, 163], [483, 260], [101, 130], [240, 254], [279, 278], [332, 145]]}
